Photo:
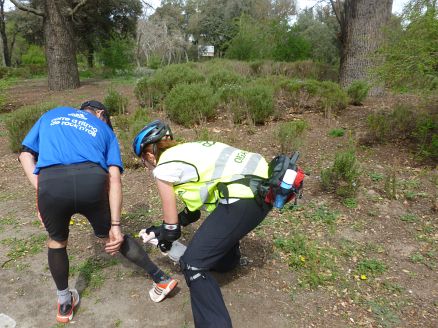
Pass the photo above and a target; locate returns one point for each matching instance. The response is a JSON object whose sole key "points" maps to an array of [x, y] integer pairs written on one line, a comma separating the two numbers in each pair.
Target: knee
{"points": [[191, 273], [51, 243]]}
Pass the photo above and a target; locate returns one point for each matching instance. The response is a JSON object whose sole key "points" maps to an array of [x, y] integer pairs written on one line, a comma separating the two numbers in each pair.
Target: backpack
{"points": [[269, 188]]}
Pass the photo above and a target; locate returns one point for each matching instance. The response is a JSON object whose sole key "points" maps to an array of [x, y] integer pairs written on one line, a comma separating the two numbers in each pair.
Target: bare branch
{"points": [[336, 9], [147, 4], [27, 8], [79, 5]]}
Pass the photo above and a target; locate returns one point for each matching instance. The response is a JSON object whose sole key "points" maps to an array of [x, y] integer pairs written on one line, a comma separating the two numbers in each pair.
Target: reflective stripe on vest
{"points": [[214, 162]]}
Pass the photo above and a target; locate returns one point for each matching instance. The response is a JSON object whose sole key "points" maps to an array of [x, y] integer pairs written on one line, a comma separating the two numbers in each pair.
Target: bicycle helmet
{"points": [[151, 133]]}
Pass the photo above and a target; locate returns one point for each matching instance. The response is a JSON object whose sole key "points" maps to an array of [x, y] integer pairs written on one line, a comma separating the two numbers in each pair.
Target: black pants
{"points": [[64, 190], [215, 246]]}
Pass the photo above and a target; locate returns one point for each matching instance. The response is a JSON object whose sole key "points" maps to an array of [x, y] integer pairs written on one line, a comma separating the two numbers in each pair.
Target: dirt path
{"points": [[401, 235]]}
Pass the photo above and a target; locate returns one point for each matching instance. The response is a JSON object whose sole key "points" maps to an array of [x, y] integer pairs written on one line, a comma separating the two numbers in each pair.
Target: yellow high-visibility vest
{"points": [[214, 163]]}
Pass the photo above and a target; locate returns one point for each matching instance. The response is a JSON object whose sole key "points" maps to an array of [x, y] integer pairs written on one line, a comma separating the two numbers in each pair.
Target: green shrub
{"points": [[19, 122], [358, 91], [127, 127], [337, 132], [406, 122], [4, 72], [34, 56], [172, 75], [259, 102], [221, 77], [117, 54], [253, 101], [148, 91], [343, 176], [188, 104], [326, 95], [379, 126], [152, 89], [289, 135], [115, 102]]}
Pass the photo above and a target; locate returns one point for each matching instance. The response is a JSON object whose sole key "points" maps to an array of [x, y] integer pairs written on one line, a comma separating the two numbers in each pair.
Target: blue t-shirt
{"points": [[65, 136]]}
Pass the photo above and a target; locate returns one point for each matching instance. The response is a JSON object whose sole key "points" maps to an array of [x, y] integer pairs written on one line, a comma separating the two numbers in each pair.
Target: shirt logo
{"points": [[78, 115]]}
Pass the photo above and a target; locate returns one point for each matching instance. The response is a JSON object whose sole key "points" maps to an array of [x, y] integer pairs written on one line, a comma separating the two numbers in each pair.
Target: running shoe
{"points": [[159, 291], [65, 311]]}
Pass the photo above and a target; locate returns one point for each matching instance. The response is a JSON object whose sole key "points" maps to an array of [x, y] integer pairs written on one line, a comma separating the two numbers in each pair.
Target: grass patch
{"points": [[19, 248], [370, 267], [350, 202], [323, 214], [383, 313], [408, 218], [337, 133], [375, 176], [92, 273], [315, 263]]}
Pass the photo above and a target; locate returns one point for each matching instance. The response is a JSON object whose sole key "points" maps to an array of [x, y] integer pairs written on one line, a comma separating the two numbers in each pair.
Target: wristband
{"points": [[115, 224]]}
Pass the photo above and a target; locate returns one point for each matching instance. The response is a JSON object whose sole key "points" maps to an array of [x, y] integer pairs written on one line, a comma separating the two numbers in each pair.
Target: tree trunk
{"points": [[361, 35], [60, 48], [6, 53]]}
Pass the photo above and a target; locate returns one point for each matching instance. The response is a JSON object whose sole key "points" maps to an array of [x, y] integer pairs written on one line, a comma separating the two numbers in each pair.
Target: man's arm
{"points": [[28, 162], [115, 202]]}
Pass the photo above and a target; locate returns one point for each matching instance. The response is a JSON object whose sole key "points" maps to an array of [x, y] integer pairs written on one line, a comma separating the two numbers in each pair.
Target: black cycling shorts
{"points": [[64, 190]]}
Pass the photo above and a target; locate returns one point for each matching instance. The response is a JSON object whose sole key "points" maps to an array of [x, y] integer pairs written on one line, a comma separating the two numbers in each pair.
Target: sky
{"points": [[396, 7]]}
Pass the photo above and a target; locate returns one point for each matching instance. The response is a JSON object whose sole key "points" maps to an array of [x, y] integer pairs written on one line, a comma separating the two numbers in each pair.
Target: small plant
{"points": [[337, 132], [289, 135], [91, 272], [256, 100], [22, 247], [408, 218], [358, 91], [343, 176], [115, 102], [370, 267], [19, 122], [375, 176], [323, 214], [188, 104], [350, 202]]}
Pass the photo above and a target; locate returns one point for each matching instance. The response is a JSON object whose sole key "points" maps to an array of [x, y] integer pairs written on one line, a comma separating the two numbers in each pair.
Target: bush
{"points": [[358, 91], [117, 54], [406, 122], [115, 102], [172, 75], [127, 127], [221, 77], [34, 56], [19, 122], [289, 135], [148, 91], [188, 104], [152, 89], [326, 95], [253, 102], [343, 176]]}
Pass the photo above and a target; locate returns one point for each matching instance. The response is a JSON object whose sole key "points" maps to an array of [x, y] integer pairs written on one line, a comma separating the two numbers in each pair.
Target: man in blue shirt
{"points": [[72, 158]]}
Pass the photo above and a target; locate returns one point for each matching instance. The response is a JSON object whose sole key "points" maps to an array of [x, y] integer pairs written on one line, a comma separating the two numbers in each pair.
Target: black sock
{"points": [[136, 254], [59, 266]]}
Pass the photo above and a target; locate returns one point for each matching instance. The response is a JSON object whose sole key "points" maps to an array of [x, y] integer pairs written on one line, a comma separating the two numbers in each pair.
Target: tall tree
{"points": [[361, 22], [99, 21], [59, 40]]}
